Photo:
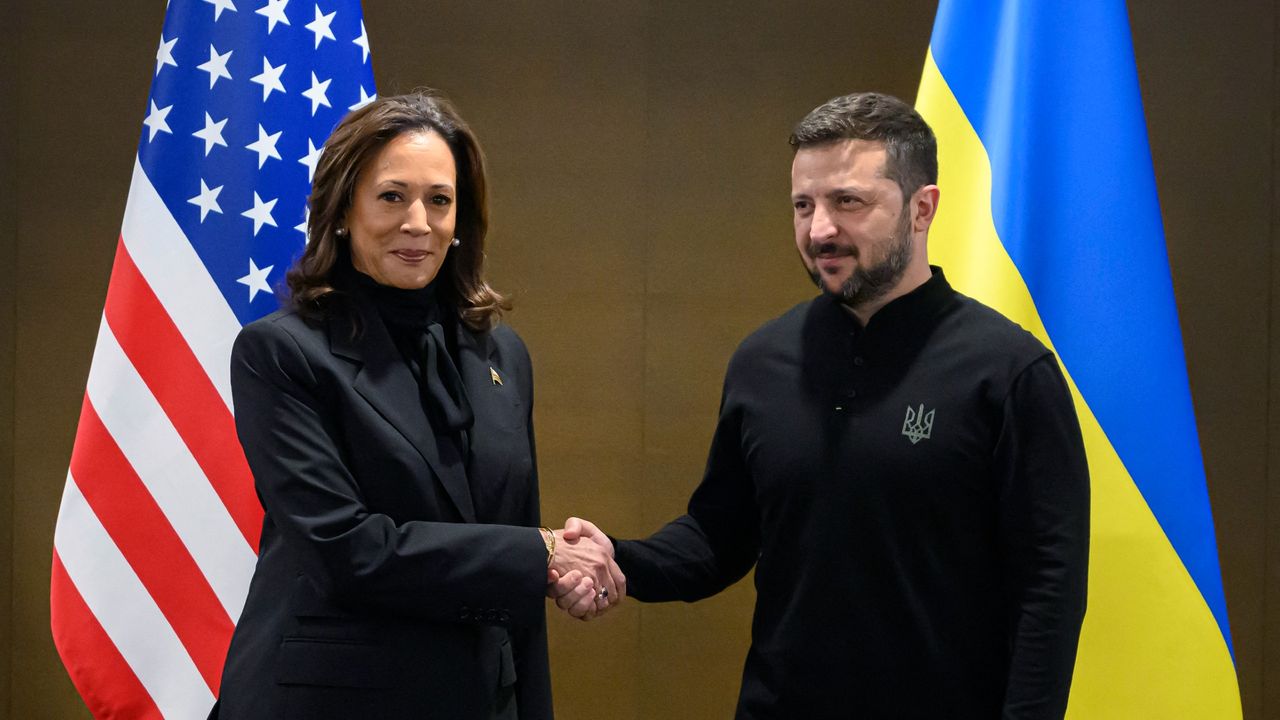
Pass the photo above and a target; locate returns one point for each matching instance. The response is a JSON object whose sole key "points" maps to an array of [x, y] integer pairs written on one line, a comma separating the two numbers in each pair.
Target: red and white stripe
{"points": [[158, 529]]}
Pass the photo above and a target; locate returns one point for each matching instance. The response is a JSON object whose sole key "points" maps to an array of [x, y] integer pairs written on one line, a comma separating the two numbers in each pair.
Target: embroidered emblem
{"points": [[494, 377], [918, 424]]}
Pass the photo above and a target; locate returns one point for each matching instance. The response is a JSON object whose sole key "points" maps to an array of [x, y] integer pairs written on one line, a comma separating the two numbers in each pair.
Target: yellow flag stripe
{"points": [[1150, 647]]}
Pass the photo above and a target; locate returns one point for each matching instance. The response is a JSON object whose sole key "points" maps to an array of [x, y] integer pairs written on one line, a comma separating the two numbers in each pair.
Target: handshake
{"points": [[582, 577]]}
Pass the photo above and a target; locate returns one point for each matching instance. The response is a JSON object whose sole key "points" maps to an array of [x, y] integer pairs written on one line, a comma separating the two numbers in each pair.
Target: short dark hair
{"points": [[910, 147], [357, 139]]}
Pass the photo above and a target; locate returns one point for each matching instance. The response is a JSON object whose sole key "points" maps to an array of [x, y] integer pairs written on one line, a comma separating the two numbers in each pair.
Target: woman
{"points": [[386, 418]]}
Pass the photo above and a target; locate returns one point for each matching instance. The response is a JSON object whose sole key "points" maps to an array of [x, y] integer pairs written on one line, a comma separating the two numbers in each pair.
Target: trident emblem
{"points": [[918, 425]]}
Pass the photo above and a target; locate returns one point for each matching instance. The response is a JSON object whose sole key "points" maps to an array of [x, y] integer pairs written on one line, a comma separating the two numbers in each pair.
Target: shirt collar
{"points": [[901, 316], [917, 306]]}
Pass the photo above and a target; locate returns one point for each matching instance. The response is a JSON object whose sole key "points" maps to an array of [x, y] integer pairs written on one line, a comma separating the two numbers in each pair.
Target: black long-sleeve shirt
{"points": [[915, 498]]}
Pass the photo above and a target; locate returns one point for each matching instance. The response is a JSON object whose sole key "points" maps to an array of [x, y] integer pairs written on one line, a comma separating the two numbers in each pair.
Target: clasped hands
{"points": [[582, 577]]}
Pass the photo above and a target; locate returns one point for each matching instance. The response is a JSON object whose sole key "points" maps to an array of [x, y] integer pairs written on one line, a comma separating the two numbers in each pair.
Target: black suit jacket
{"points": [[377, 593]]}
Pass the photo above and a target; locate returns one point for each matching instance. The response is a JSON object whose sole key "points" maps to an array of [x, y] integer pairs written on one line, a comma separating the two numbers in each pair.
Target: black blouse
{"points": [[424, 334]]}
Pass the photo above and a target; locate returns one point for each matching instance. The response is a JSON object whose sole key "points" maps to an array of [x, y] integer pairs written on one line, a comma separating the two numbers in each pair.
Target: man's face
{"points": [[853, 229]]}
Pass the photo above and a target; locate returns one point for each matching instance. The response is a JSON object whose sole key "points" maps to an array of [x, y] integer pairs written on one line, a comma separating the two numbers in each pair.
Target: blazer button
{"points": [[504, 616], [465, 614]]}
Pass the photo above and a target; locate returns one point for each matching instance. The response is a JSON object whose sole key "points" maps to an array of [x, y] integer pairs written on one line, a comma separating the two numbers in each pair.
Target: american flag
{"points": [[159, 523]]}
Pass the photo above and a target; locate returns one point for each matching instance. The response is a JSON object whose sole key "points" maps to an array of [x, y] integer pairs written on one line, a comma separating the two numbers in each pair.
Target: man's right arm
{"points": [[709, 548]]}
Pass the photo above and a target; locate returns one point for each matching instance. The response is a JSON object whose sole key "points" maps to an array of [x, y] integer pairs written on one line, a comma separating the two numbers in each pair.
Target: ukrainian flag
{"points": [[1049, 214]]}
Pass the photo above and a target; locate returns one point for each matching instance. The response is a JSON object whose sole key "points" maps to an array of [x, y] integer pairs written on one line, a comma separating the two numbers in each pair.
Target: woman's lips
{"points": [[411, 256]]}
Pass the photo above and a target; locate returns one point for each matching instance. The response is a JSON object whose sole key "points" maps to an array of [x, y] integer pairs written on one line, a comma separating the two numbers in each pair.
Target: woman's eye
{"points": [[390, 196], [441, 199]]}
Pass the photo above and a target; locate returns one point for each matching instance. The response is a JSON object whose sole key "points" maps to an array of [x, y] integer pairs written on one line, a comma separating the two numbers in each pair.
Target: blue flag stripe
{"points": [[177, 161], [1052, 91]]}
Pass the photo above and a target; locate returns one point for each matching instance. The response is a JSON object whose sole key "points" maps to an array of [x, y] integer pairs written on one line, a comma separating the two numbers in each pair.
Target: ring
{"points": [[604, 593]]}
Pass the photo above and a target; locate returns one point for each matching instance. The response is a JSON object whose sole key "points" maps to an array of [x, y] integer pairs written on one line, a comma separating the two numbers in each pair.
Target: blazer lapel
{"points": [[385, 381], [476, 365]]}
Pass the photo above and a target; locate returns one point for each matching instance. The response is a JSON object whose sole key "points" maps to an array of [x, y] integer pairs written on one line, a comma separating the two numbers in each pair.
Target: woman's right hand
{"points": [[587, 581]]}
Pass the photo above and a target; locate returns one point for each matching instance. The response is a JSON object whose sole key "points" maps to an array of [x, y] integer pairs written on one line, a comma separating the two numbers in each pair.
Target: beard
{"points": [[871, 281]]}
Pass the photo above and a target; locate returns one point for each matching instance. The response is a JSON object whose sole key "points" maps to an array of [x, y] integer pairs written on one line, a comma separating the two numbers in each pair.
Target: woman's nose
{"points": [[415, 222]]}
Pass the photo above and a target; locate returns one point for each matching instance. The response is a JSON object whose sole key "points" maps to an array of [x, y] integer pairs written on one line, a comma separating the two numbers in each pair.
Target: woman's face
{"points": [[403, 212]]}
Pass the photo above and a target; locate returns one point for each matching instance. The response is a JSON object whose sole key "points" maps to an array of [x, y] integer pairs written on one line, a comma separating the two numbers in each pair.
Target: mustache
{"points": [[830, 249]]}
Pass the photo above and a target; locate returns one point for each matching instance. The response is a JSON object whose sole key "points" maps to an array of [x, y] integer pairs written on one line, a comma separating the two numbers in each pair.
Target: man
{"points": [[902, 465]]}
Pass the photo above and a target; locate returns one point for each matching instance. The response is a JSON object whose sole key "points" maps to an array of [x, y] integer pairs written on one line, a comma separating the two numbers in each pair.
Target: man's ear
{"points": [[924, 206]]}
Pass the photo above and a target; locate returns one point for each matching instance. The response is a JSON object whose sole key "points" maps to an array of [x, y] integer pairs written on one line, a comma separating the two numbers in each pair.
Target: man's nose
{"points": [[821, 225], [415, 221]]}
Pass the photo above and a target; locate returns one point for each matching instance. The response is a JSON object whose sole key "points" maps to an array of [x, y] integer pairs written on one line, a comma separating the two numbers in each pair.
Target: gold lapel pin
{"points": [[493, 375]]}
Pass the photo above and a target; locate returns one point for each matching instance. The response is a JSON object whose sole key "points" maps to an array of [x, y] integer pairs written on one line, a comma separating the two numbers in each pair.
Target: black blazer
{"points": [[377, 593]]}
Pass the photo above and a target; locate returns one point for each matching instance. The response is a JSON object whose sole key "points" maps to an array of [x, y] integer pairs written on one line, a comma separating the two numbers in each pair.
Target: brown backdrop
{"points": [[641, 218]]}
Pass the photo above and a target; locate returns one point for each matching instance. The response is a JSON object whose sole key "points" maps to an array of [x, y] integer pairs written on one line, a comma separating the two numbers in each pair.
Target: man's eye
{"points": [[801, 205], [849, 200]]}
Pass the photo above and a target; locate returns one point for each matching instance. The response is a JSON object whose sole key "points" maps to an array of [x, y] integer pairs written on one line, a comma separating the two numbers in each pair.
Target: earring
{"points": [[456, 242], [340, 232]]}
